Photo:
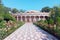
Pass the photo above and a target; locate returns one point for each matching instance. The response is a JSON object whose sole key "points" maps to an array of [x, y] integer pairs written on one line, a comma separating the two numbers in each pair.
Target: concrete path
{"points": [[30, 32]]}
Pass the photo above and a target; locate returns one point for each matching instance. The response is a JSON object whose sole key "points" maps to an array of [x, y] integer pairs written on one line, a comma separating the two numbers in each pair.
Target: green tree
{"points": [[58, 20], [14, 10], [8, 17], [51, 21], [55, 12], [46, 9], [1, 18], [22, 10]]}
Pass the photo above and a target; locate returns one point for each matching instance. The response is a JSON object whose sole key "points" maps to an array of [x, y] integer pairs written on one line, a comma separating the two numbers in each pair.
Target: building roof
{"points": [[32, 11]]}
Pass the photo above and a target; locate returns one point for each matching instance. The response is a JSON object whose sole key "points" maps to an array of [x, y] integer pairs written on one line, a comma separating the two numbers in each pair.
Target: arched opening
{"points": [[16, 17], [32, 18], [19, 18], [37, 18], [41, 17], [46, 17], [23, 18], [28, 18]]}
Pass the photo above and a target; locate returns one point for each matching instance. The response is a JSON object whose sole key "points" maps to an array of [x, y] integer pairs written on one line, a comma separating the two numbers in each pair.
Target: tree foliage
{"points": [[45, 9], [51, 21], [4, 14], [8, 17], [14, 10], [22, 10]]}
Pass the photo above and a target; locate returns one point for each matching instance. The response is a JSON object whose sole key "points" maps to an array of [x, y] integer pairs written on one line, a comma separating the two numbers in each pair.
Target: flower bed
{"points": [[5, 31]]}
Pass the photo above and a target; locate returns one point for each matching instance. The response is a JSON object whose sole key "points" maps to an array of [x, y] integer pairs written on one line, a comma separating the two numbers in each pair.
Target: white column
{"points": [[21, 18], [25, 19], [39, 19], [30, 19], [34, 19], [43, 17]]}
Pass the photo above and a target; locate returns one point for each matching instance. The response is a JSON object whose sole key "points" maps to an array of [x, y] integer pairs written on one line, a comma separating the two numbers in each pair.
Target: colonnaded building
{"points": [[30, 16]]}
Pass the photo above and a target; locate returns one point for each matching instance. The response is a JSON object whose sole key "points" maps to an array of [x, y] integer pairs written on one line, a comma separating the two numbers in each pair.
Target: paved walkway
{"points": [[30, 32]]}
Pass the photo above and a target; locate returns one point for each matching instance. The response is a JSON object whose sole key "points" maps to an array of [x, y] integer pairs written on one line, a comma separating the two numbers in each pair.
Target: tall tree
{"points": [[14, 10], [55, 12], [46, 9]]}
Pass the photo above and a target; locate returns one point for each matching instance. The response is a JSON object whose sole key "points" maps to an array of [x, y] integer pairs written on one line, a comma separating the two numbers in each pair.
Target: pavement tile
{"points": [[30, 32]]}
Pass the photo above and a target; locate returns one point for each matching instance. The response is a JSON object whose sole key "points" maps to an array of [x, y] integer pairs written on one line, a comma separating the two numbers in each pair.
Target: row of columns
{"points": [[29, 18]]}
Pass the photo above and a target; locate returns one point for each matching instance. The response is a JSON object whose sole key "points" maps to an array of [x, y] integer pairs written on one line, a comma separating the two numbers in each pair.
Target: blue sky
{"points": [[30, 4]]}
